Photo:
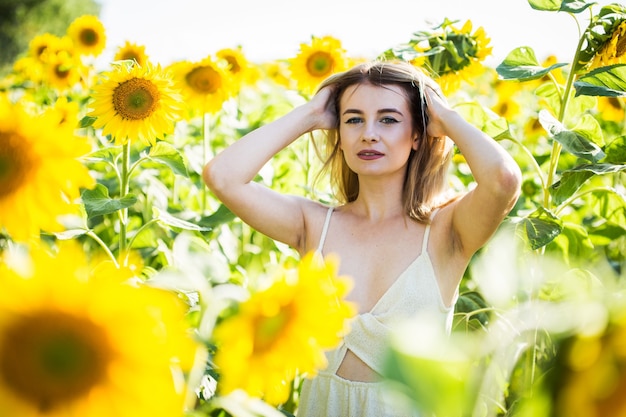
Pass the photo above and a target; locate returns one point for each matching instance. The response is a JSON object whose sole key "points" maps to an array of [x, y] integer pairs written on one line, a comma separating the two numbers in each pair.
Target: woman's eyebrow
{"points": [[385, 110]]}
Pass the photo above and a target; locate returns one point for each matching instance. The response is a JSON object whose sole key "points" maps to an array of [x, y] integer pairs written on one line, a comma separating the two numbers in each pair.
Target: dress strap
{"points": [[325, 230], [427, 230]]}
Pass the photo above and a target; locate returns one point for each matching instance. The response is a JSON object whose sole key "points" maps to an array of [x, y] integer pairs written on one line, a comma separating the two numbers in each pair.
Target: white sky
{"points": [[274, 29]]}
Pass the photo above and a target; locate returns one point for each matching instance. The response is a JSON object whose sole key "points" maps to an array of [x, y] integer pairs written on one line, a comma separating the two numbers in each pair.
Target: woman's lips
{"points": [[369, 154]]}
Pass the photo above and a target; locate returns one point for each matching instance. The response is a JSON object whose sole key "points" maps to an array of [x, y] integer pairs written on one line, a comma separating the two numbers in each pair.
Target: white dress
{"points": [[415, 290]]}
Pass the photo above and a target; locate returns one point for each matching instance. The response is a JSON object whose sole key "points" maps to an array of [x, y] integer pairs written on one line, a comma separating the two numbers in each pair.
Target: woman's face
{"points": [[376, 129]]}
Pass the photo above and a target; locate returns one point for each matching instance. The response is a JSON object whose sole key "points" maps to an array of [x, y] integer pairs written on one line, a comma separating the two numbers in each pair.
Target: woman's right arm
{"points": [[230, 175]]}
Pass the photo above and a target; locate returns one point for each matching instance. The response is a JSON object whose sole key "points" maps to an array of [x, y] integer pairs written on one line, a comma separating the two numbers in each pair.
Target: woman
{"points": [[402, 241]]}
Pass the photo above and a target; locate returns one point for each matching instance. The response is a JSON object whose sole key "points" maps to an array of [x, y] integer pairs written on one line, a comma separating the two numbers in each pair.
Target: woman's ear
{"points": [[416, 140]]}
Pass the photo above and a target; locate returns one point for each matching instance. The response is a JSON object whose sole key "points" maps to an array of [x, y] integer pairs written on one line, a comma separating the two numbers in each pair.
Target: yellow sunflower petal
{"points": [[66, 349], [277, 332], [40, 173]]}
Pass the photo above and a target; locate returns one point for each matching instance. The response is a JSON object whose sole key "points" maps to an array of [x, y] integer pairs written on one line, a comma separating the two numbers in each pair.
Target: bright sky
{"points": [[274, 29]]}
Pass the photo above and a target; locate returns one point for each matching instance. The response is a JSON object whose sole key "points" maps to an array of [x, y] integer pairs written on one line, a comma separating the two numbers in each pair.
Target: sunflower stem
{"points": [[556, 146], [104, 246], [205, 156], [124, 188]]}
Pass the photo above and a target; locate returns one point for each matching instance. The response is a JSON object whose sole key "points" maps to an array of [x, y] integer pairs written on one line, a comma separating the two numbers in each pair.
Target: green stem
{"points": [[103, 245], [205, 157], [574, 197], [532, 160], [556, 146], [141, 229], [124, 188]]}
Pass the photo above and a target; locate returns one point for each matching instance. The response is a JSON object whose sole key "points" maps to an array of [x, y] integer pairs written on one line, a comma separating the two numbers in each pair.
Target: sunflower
{"points": [[87, 33], [62, 70], [132, 52], [206, 85], [451, 55], [507, 106], [611, 109], [40, 174], [239, 67], [605, 39], [316, 61], [28, 69], [589, 377], [66, 111], [133, 102], [46, 43], [278, 72], [277, 332], [74, 341], [465, 63]]}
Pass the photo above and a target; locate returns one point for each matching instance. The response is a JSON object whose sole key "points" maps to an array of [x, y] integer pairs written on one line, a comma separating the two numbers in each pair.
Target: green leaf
{"points": [[609, 81], [220, 216], [166, 218], [572, 179], [546, 5], [575, 6], [540, 227], [575, 241], [472, 301], [589, 127], [97, 201], [105, 154], [573, 142], [87, 121], [521, 64], [569, 6], [616, 151], [579, 145], [70, 234], [611, 205], [167, 154]]}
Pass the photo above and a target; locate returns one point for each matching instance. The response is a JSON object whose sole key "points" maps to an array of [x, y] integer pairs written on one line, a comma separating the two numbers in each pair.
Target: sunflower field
{"points": [[128, 289]]}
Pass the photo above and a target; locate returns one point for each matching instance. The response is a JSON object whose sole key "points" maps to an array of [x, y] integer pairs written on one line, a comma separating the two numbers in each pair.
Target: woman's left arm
{"points": [[477, 215]]}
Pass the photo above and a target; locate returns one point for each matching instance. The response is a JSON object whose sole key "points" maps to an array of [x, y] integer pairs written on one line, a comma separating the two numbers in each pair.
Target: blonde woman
{"points": [[398, 234]]}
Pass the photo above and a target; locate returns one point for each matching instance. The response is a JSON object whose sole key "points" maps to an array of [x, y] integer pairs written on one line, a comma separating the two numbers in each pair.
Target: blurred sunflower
{"points": [[590, 378], [277, 332], [239, 67], [88, 35], [451, 55], [27, 69], [506, 106], [316, 61], [135, 103], [611, 109], [206, 85], [455, 55], [66, 111], [132, 52], [66, 349], [62, 70], [605, 39], [278, 72], [46, 43], [40, 171]]}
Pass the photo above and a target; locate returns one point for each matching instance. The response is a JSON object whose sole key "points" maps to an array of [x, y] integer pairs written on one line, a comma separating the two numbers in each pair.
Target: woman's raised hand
{"points": [[323, 109], [437, 109]]}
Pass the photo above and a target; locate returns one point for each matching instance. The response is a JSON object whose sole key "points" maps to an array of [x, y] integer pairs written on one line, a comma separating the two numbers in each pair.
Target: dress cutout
{"points": [[415, 290]]}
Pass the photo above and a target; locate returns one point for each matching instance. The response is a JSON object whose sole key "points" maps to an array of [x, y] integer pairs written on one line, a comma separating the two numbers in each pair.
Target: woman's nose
{"points": [[370, 134]]}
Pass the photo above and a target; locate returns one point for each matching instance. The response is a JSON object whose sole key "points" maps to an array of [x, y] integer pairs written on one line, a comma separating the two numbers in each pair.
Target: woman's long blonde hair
{"points": [[427, 169]]}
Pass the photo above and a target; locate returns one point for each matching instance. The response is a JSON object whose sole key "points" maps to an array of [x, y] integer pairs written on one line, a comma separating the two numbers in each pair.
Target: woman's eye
{"points": [[388, 120], [353, 120]]}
